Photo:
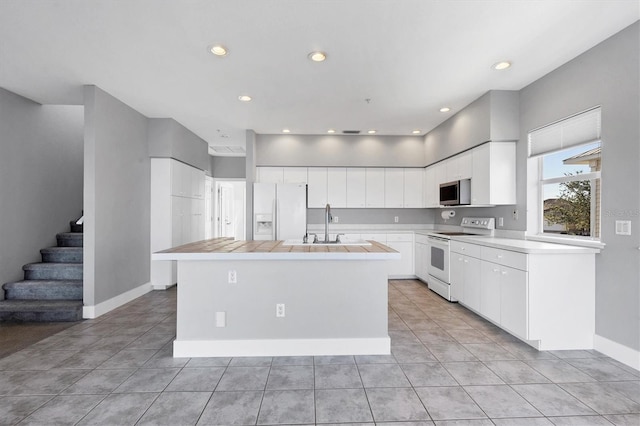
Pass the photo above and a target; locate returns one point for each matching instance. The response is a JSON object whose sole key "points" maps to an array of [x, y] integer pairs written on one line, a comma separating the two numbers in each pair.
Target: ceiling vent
{"points": [[351, 132]]}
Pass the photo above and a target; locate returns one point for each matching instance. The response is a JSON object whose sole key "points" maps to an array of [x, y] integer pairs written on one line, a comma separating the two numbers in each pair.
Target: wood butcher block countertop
{"points": [[228, 249]]}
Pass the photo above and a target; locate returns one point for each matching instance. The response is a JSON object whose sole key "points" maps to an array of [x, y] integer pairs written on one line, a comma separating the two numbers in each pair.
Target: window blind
{"points": [[579, 129]]}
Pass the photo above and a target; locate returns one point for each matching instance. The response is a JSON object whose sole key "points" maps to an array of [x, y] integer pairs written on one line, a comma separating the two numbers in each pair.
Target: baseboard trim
{"points": [[617, 351], [162, 286], [281, 347], [94, 311]]}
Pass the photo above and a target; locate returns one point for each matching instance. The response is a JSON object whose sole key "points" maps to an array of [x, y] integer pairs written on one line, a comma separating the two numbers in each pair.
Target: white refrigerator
{"points": [[280, 211]]}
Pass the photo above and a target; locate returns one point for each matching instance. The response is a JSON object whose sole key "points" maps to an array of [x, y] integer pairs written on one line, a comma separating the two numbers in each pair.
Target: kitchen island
{"points": [[265, 298]]}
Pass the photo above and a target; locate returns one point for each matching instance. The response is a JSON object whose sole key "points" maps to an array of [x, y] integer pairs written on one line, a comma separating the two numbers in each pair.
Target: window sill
{"points": [[567, 240]]}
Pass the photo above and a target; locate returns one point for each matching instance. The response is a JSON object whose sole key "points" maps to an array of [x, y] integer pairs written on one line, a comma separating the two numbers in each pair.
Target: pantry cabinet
{"points": [[177, 213]]}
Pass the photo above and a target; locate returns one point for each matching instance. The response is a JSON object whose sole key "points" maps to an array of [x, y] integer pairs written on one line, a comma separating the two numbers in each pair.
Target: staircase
{"points": [[52, 289]]}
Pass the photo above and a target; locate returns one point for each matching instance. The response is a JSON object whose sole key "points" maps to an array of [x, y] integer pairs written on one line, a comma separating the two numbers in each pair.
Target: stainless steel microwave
{"points": [[456, 193]]}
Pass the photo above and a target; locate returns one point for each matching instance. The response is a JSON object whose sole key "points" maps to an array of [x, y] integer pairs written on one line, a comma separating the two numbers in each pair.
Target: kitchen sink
{"points": [[326, 243]]}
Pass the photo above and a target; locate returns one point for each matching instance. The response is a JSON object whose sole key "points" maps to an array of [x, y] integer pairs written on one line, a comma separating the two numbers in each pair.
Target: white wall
{"points": [[116, 201], [41, 159]]}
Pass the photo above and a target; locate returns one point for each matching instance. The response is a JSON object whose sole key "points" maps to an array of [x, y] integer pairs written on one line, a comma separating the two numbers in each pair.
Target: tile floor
{"points": [[448, 367]]}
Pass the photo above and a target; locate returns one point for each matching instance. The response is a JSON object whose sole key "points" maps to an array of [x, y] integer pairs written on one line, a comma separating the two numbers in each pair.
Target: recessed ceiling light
{"points": [[416, 132], [501, 65], [317, 56], [244, 98], [331, 131], [371, 132], [445, 109], [286, 131], [218, 50]]}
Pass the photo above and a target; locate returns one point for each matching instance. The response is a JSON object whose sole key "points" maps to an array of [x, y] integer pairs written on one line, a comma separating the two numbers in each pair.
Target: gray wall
{"points": [[228, 167], [40, 178], [339, 151], [607, 75], [170, 139], [116, 197], [491, 117]]}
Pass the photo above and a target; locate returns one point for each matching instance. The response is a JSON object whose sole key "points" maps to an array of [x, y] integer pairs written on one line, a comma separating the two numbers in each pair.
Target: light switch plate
{"points": [[623, 227]]}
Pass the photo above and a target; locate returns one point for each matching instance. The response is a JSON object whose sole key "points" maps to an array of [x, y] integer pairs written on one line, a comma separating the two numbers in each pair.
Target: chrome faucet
{"points": [[327, 218]]}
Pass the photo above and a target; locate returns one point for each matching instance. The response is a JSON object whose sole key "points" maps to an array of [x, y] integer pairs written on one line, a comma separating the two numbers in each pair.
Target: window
{"points": [[565, 159]]}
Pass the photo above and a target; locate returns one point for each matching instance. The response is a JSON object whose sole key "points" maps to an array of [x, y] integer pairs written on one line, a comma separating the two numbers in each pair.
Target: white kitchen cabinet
{"points": [[420, 257], [490, 296], [413, 183], [270, 174], [356, 187], [459, 166], [403, 243], [294, 174], [545, 298], [514, 301], [337, 187], [393, 187], [177, 213], [441, 175], [317, 187], [494, 174], [374, 189], [431, 193]]}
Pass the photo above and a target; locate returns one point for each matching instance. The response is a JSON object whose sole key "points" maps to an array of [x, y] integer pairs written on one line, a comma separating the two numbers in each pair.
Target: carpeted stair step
{"points": [[40, 310], [62, 255], [69, 239], [75, 227], [43, 289], [53, 271]]}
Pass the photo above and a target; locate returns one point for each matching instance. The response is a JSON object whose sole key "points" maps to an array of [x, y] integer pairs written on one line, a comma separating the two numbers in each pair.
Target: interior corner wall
{"points": [[587, 81], [117, 200], [40, 178], [250, 176]]}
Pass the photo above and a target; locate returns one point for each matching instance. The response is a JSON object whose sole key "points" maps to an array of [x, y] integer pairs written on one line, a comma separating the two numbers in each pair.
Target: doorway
{"points": [[229, 209]]}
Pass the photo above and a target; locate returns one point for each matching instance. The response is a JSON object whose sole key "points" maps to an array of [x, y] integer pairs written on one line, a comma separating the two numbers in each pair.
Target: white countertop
{"points": [[525, 246]]}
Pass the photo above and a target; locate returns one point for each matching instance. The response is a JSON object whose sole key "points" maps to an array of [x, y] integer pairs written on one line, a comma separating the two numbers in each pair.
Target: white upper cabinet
{"points": [[374, 187], [459, 167], [494, 174], [294, 175], [413, 184], [431, 191], [317, 187], [393, 187], [197, 183], [270, 174], [356, 188], [337, 187]]}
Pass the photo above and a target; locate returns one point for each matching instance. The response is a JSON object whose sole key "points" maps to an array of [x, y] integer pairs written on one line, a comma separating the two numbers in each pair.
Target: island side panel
{"points": [[331, 307]]}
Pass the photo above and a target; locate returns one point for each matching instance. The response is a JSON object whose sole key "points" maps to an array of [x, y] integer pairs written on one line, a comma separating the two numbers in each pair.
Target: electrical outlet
{"points": [[221, 319], [280, 310], [501, 221], [623, 227], [233, 276], [335, 219], [395, 219], [515, 214]]}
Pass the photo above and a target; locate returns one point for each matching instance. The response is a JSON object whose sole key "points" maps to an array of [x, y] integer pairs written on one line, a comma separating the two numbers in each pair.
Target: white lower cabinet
{"points": [[545, 299], [403, 243], [421, 264]]}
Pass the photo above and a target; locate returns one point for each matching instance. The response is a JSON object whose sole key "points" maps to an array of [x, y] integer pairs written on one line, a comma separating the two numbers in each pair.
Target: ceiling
{"points": [[408, 58]]}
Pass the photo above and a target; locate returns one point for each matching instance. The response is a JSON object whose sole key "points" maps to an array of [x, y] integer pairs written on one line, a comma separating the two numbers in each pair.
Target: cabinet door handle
{"points": [[499, 256], [496, 270], [466, 261], [504, 272]]}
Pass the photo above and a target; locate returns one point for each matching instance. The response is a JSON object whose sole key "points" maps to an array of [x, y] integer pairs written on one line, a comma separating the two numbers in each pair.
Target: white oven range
{"points": [[439, 254]]}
